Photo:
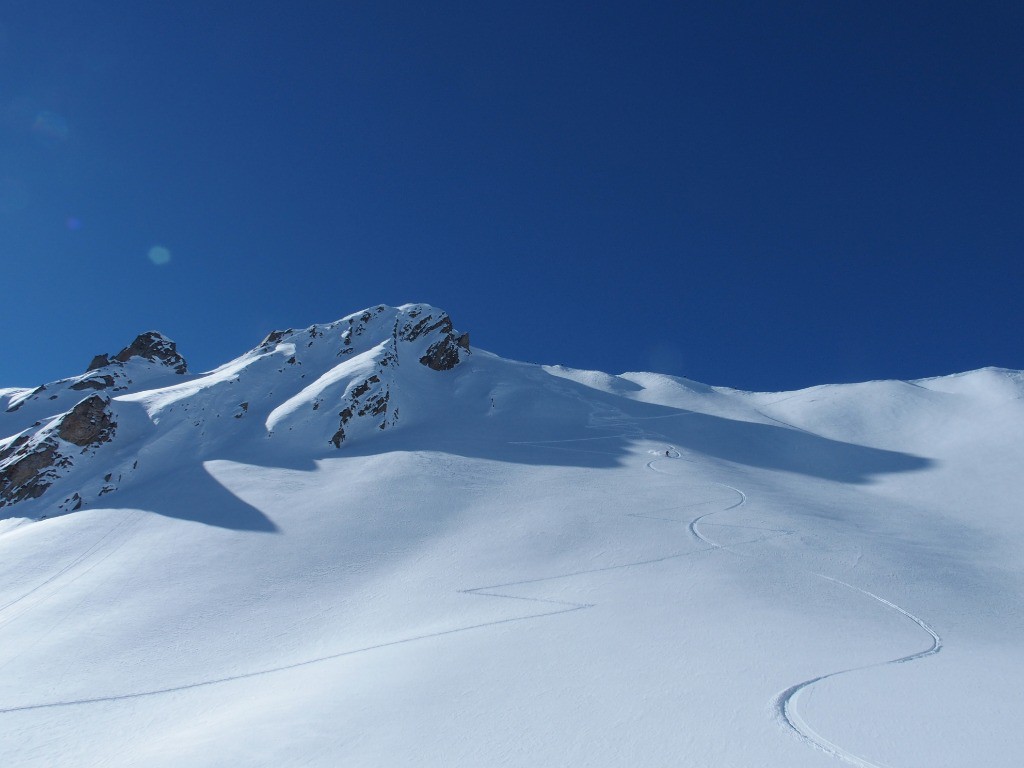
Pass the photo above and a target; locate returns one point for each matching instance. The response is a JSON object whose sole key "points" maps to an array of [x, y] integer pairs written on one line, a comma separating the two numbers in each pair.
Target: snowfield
{"points": [[524, 566]]}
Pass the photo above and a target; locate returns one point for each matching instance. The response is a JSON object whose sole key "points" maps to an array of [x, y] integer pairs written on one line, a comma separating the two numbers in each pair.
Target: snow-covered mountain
{"points": [[369, 543], [144, 405]]}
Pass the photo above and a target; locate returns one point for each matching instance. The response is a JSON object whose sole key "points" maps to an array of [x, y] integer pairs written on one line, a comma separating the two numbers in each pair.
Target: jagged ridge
{"points": [[308, 389]]}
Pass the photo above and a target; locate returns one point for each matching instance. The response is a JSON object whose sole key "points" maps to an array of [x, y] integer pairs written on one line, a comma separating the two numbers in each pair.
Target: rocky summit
{"points": [[324, 385]]}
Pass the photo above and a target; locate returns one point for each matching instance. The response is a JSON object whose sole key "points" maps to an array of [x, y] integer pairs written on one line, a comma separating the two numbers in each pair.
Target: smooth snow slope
{"points": [[518, 574]]}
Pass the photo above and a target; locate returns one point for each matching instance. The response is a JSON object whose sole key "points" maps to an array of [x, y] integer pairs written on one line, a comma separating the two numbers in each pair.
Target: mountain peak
{"points": [[400, 326], [152, 346], [306, 389]]}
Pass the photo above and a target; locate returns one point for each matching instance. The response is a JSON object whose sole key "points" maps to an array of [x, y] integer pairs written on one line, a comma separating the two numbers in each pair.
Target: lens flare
{"points": [[159, 255], [51, 126]]}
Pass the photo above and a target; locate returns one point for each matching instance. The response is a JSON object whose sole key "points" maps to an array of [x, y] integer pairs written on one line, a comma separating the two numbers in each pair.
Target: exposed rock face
{"points": [[96, 382], [30, 464], [416, 326], [154, 346], [150, 357], [369, 398], [100, 361], [11, 449], [88, 423], [414, 329], [275, 336], [443, 354], [28, 473], [356, 328]]}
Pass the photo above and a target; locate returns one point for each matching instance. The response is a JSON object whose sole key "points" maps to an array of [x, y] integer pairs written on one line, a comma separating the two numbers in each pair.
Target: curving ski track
{"points": [[784, 705]]}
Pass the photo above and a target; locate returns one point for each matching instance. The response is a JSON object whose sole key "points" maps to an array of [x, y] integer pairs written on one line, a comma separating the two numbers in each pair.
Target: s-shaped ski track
{"points": [[785, 705]]}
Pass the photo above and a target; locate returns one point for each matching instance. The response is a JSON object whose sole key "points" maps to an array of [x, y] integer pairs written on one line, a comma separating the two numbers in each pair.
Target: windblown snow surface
{"points": [[534, 566]]}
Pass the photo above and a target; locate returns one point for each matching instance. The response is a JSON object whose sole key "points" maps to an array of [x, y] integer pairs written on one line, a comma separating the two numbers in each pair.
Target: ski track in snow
{"points": [[122, 525], [561, 607], [784, 706]]}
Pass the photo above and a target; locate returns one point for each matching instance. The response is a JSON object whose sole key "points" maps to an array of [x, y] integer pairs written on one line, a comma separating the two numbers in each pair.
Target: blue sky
{"points": [[756, 196]]}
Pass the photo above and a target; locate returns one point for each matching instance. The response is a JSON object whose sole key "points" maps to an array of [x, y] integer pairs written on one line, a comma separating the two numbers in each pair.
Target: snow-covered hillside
{"points": [[369, 543]]}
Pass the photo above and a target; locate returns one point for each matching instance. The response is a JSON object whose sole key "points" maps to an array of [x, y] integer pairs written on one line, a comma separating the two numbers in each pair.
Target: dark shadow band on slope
{"points": [[604, 433], [191, 493], [566, 425], [771, 447]]}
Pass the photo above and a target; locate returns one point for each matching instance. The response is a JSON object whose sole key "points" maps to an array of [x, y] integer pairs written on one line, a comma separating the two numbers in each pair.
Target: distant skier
{"points": [[666, 453]]}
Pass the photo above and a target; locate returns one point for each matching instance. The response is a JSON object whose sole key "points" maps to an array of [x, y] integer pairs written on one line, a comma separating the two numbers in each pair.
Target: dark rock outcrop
{"points": [[88, 423], [275, 336], [154, 346], [30, 464], [100, 361], [412, 331], [28, 475], [96, 382], [370, 397], [443, 354], [438, 346]]}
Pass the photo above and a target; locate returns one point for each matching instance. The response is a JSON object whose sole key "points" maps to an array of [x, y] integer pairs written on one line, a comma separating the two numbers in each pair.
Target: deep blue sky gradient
{"points": [[760, 195]]}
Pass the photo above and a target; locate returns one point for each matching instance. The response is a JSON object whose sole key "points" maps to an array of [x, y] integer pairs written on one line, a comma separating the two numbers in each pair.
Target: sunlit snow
{"points": [[530, 566]]}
